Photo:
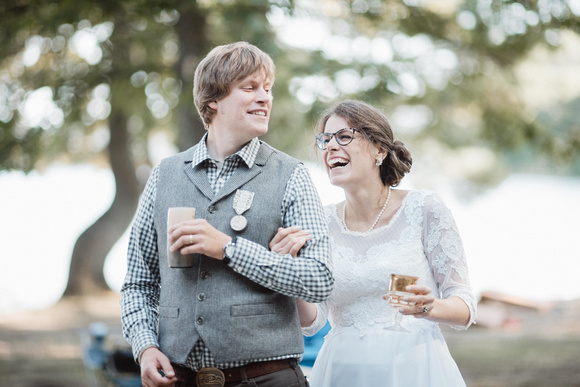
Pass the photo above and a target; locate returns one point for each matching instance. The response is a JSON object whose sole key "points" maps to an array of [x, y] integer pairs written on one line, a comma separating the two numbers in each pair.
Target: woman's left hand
{"points": [[421, 303], [289, 240]]}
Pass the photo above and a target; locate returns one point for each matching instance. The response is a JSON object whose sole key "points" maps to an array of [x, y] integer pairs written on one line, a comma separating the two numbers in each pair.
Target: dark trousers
{"points": [[289, 377]]}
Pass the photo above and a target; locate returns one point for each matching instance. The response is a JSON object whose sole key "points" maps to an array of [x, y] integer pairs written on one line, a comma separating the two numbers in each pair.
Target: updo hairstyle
{"points": [[375, 127]]}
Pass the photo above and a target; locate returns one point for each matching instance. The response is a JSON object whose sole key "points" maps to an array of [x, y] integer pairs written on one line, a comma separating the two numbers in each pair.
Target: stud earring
{"points": [[379, 162]]}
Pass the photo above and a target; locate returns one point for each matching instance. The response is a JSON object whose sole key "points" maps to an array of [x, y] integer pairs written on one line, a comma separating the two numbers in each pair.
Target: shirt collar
{"points": [[248, 153]]}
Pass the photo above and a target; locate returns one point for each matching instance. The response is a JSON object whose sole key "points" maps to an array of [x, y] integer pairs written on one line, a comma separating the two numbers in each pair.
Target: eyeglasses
{"points": [[343, 137]]}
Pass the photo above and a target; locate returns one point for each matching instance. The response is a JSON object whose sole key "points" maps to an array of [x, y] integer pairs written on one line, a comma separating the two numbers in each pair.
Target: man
{"points": [[230, 319]]}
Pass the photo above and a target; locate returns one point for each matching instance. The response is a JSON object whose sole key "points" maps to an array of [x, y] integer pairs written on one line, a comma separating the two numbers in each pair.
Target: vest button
{"points": [[211, 209], [204, 274], [201, 296], [200, 321]]}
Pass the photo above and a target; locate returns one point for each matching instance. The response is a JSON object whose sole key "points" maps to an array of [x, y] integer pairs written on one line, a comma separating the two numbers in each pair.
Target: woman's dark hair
{"points": [[375, 127]]}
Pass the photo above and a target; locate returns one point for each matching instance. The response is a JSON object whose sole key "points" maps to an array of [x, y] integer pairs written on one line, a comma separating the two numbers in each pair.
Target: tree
{"points": [[449, 76], [113, 69], [92, 81]]}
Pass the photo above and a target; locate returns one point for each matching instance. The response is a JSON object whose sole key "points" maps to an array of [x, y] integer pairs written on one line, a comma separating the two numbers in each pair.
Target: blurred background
{"points": [[485, 93]]}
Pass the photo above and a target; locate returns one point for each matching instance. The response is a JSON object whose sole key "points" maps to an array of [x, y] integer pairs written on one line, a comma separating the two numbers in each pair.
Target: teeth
{"points": [[337, 163], [260, 113]]}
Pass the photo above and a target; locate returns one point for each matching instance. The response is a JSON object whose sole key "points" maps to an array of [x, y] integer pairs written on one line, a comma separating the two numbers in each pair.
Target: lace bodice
{"points": [[421, 240]]}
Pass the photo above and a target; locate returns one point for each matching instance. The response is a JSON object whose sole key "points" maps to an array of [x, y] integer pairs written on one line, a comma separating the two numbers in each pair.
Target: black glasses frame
{"points": [[323, 139]]}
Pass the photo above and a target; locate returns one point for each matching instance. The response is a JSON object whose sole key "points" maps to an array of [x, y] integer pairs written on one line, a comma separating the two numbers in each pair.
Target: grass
{"points": [[504, 360], [43, 348]]}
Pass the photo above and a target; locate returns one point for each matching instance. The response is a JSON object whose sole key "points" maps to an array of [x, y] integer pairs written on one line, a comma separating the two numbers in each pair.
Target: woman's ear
{"points": [[213, 105], [380, 155]]}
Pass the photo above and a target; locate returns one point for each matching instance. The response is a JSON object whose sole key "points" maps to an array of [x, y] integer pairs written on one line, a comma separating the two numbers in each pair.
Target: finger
{"points": [[291, 237], [172, 228], [284, 232], [167, 370], [285, 246], [295, 249], [159, 375], [298, 245], [419, 289], [277, 238], [179, 243]]}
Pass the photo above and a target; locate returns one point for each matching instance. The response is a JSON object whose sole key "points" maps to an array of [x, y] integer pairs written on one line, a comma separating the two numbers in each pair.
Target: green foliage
{"points": [[461, 63], [455, 64]]}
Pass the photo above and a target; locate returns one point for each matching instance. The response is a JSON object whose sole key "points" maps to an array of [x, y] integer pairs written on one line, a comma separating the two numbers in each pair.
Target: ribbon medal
{"points": [[242, 203]]}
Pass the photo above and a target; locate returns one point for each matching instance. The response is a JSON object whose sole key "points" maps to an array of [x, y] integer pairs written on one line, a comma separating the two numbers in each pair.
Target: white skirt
{"points": [[384, 358]]}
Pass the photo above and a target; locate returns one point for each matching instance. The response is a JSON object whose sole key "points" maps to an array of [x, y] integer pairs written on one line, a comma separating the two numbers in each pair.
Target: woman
{"points": [[375, 232]]}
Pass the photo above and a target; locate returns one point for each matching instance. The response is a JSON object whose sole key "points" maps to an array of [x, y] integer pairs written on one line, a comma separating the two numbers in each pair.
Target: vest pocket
{"points": [[251, 310]]}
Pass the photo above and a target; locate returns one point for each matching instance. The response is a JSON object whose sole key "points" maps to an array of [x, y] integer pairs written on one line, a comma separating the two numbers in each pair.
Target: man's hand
{"points": [[152, 362], [198, 237], [289, 240]]}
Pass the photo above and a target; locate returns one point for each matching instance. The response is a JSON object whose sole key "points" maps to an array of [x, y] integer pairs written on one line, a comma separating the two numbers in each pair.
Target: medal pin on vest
{"points": [[242, 202]]}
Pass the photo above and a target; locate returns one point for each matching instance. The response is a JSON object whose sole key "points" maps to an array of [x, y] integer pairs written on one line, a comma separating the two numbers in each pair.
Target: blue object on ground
{"points": [[312, 345]]}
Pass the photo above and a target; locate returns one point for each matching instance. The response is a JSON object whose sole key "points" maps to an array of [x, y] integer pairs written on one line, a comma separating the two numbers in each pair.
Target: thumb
{"points": [[165, 365]]}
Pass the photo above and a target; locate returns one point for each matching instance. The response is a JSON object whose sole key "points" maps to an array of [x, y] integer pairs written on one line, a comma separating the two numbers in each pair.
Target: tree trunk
{"points": [[88, 259], [193, 46]]}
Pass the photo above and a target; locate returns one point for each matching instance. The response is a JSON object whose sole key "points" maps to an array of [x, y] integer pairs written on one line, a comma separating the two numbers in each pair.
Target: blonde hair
{"points": [[223, 66]]}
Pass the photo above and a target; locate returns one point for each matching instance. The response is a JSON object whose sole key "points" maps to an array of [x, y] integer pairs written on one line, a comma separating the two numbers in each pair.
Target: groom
{"points": [[231, 318]]}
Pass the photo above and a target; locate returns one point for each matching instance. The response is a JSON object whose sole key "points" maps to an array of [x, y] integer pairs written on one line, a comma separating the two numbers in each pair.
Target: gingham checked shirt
{"points": [[299, 277]]}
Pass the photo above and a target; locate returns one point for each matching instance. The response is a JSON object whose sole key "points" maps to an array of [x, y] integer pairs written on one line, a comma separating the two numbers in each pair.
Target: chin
{"points": [[260, 131], [335, 181]]}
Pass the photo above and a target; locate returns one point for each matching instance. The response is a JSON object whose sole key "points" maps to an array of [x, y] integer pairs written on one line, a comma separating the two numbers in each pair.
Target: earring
{"points": [[379, 162]]}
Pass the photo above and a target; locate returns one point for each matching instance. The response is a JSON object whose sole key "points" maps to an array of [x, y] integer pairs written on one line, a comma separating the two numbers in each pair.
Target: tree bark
{"points": [[191, 30], [92, 247]]}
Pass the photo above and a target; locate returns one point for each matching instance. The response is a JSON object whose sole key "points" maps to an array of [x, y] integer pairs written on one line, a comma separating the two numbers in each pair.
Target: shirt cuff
{"points": [[144, 341]]}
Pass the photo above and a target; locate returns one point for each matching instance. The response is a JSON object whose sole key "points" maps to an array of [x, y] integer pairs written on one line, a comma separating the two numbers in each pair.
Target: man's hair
{"points": [[223, 66]]}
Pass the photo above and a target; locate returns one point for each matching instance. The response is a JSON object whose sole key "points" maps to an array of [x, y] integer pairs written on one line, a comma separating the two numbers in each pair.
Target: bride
{"points": [[378, 231]]}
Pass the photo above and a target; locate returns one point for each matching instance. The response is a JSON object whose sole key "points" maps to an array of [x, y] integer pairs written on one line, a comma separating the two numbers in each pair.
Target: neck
{"points": [[360, 215], [220, 147]]}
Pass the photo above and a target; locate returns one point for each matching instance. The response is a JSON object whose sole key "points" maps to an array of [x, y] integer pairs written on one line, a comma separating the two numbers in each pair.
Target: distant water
{"points": [[521, 238]]}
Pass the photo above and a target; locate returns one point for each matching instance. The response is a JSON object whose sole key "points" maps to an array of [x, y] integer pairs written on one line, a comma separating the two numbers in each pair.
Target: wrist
{"points": [[229, 250]]}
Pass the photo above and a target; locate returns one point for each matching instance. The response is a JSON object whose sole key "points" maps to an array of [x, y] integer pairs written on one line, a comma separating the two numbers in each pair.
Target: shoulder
{"points": [[267, 151], [329, 209], [179, 158], [427, 202], [425, 198]]}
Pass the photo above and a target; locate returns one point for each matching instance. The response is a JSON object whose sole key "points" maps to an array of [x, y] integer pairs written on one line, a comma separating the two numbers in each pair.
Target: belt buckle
{"points": [[210, 377]]}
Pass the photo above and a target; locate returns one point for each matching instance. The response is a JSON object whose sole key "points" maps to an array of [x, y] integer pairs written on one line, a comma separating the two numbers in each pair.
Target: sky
{"points": [[520, 238]]}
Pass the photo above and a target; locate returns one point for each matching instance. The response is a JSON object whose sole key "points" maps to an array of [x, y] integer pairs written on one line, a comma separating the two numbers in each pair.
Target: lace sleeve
{"points": [[444, 250], [319, 321]]}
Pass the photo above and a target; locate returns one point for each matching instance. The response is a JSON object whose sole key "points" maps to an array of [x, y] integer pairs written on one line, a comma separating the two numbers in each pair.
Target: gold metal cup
{"points": [[398, 288], [399, 282]]}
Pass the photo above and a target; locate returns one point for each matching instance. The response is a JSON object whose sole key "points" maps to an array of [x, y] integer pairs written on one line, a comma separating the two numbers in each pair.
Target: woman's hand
{"points": [[289, 240], [420, 304]]}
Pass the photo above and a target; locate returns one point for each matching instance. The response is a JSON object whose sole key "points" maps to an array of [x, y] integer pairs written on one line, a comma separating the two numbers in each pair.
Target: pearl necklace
{"points": [[376, 220]]}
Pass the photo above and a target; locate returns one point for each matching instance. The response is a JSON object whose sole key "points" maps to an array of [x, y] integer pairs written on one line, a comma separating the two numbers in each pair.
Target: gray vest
{"points": [[236, 318]]}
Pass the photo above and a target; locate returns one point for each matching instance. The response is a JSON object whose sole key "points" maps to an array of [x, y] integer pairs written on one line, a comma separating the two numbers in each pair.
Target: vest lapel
{"points": [[239, 178], [245, 174], [199, 178]]}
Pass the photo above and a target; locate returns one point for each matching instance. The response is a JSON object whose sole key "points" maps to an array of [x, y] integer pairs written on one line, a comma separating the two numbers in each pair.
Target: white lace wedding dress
{"points": [[421, 240]]}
